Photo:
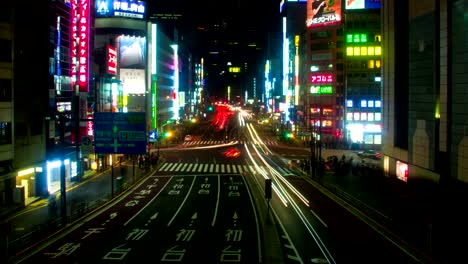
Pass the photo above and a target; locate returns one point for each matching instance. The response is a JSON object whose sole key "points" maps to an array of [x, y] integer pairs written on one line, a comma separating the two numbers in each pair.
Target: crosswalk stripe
{"points": [[214, 168], [164, 166], [217, 142]]}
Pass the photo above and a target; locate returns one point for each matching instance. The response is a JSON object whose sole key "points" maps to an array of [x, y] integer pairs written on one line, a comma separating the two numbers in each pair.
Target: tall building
{"points": [[424, 90], [363, 80], [65, 61], [325, 65]]}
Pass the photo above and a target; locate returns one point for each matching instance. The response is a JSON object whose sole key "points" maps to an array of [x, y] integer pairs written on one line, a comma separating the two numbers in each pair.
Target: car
{"points": [[369, 154], [232, 153], [188, 138]]}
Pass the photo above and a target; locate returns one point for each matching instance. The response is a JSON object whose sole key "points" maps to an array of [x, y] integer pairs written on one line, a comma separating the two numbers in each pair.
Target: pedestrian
{"points": [[140, 161], [52, 204]]}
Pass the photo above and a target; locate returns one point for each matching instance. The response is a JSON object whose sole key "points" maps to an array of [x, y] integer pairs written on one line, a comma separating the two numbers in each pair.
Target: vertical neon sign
{"points": [[80, 42], [176, 82]]}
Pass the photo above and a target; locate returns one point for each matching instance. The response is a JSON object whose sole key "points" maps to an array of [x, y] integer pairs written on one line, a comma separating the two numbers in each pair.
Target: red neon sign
{"points": [[111, 60], [80, 42], [321, 78]]}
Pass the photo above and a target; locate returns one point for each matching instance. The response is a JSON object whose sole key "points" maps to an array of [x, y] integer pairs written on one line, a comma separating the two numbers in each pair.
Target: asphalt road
{"points": [[167, 218]]}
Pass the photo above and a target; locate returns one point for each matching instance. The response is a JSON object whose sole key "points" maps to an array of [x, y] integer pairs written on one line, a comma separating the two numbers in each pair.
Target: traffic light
{"points": [[168, 134], [289, 135]]}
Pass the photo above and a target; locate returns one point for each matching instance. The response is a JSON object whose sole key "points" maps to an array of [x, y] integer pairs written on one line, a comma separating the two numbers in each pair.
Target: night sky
{"points": [[243, 21]]}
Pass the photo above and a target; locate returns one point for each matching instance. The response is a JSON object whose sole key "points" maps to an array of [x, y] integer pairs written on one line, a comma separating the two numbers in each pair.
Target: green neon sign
{"points": [[321, 89]]}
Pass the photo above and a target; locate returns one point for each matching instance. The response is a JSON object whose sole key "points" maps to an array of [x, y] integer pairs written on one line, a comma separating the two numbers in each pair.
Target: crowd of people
{"points": [[146, 161]]}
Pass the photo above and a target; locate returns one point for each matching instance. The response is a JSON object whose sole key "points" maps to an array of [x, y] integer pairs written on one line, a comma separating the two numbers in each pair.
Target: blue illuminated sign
{"points": [[120, 133], [120, 8]]}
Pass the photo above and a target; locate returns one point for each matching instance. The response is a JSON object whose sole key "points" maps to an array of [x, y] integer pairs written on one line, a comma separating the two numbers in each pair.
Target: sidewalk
{"points": [[430, 216], [26, 225], [7, 212]]}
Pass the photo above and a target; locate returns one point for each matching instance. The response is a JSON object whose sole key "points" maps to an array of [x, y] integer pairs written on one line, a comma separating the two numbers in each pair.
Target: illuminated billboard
{"points": [[120, 8], [132, 52], [133, 81], [362, 4], [323, 12]]}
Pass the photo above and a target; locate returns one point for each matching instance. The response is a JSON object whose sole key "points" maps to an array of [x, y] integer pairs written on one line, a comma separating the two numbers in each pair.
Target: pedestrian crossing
{"points": [[213, 168], [219, 142]]}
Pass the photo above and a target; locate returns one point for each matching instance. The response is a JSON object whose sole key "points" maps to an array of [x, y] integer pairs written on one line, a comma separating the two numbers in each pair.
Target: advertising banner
{"points": [[323, 12], [132, 52]]}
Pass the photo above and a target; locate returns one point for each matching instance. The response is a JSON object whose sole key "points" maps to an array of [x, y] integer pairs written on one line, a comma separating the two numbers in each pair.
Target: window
{"points": [[319, 46], [5, 133], [371, 64], [378, 51], [356, 51], [377, 64], [378, 116], [349, 103], [5, 90], [339, 44], [363, 103], [378, 103], [363, 116], [364, 51], [349, 116], [370, 103], [370, 116], [356, 116], [5, 50], [363, 64], [339, 55]]}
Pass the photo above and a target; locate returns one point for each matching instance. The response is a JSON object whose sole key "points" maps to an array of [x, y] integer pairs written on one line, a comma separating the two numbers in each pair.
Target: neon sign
{"points": [[321, 89], [80, 43], [321, 78], [111, 60]]}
